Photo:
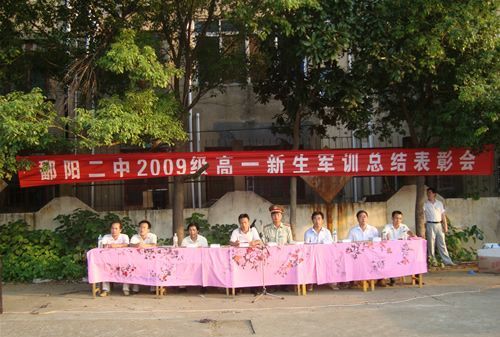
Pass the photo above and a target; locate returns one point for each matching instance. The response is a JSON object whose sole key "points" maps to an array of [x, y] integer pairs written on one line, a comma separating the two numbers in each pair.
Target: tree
{"points": [[430, 69], [298, 64], [184, 26], [140, 116]]}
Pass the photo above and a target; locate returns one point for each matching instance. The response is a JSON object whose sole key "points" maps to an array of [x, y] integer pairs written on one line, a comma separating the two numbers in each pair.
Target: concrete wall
{"points": [[485, 213], [44, 218]]}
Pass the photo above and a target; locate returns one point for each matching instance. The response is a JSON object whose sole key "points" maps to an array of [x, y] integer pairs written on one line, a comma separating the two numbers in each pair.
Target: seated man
{"points": [[363, 231], [114, 240], [277, 231], [143, 239], [194, 239], [396, 230], [244, 235], [317, 233]]}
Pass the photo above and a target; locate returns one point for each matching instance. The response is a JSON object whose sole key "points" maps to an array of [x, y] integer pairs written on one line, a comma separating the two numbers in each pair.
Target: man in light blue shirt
{"points": [[317, 233]]}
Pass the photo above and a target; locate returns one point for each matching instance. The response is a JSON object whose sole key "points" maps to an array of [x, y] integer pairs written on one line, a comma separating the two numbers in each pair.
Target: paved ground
{"points": [[452, 303]]}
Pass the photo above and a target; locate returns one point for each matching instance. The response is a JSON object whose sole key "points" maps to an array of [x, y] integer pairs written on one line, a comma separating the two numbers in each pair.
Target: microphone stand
{"points": [[264, 290]]}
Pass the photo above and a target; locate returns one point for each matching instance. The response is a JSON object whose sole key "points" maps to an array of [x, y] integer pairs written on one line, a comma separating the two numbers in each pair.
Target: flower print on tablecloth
{"points": [[167, 255], [294, 259], [377, 266], [356, 249], [249, 257], [164, 273], [163, 252], [405, 252], [121, 271], [340, 265]]}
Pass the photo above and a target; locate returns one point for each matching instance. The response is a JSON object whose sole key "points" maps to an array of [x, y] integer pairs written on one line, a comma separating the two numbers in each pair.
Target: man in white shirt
{"points": [[363, 231], [114, 240], [143, 239], [435, 228], [396, 230], [194, 239], [244, 235], [317, 233]]}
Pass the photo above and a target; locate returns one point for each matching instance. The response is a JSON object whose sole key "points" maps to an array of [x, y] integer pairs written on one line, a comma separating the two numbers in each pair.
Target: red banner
{"points": [[70, 169]]}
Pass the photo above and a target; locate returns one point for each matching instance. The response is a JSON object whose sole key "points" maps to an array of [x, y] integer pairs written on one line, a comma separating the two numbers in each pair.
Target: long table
{"points": [[232, 267]]}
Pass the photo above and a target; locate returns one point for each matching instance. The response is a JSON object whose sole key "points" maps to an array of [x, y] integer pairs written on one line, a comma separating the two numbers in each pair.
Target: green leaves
{"points": [[432, 65], [25, 122], [143, 115], [125, 56], [457, 242], [213, 233], [140, 118], [61, 254]]}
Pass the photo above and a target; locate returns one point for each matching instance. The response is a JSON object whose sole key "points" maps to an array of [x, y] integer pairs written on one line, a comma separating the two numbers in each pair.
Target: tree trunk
{"points": [[178, 208], [293, 180], [419, 207], [293, 205]]}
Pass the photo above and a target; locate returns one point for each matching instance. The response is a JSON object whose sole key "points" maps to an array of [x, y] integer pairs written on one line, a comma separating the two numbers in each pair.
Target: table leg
{"points": [[227, 292], [160, 291], [304, 290], [420, 280], [365, 285], [372, 285], [95, 289], [233, 291]]}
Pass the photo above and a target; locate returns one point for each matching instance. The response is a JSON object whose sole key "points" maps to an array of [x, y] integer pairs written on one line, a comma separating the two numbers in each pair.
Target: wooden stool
{"points": [[160, 291], [365, 285], [96, 287]]}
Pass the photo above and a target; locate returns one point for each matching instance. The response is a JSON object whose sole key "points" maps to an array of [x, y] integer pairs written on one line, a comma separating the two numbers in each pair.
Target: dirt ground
{"points": [[452, 302]]}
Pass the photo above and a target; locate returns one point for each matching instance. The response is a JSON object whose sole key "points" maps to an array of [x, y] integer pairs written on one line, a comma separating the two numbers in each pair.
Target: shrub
{"points": [[457, 242], [28, 255], [213, 233], [60, 254], [80, 230]]}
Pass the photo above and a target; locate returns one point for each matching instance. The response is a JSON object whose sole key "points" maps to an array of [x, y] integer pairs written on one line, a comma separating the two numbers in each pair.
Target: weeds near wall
{"points": [[458, 242]]}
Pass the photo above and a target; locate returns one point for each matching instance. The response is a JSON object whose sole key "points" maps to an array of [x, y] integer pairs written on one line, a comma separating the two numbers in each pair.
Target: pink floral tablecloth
{"points": [[245, 267]]}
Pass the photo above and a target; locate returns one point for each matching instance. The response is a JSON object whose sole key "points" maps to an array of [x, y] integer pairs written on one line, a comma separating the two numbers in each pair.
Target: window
{"points": [[221, 53]]}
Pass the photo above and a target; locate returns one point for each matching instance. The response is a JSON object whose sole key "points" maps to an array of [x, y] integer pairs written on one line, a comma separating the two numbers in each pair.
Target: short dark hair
{"points": [[317, 213], [396, 213], [146, 222], [432, 189], [193, 224], [360, 212], [243, 215], [116, 221]]}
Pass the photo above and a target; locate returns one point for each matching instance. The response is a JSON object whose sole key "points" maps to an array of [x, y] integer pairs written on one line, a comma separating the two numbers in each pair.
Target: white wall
{"points": [[485, 213]]}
